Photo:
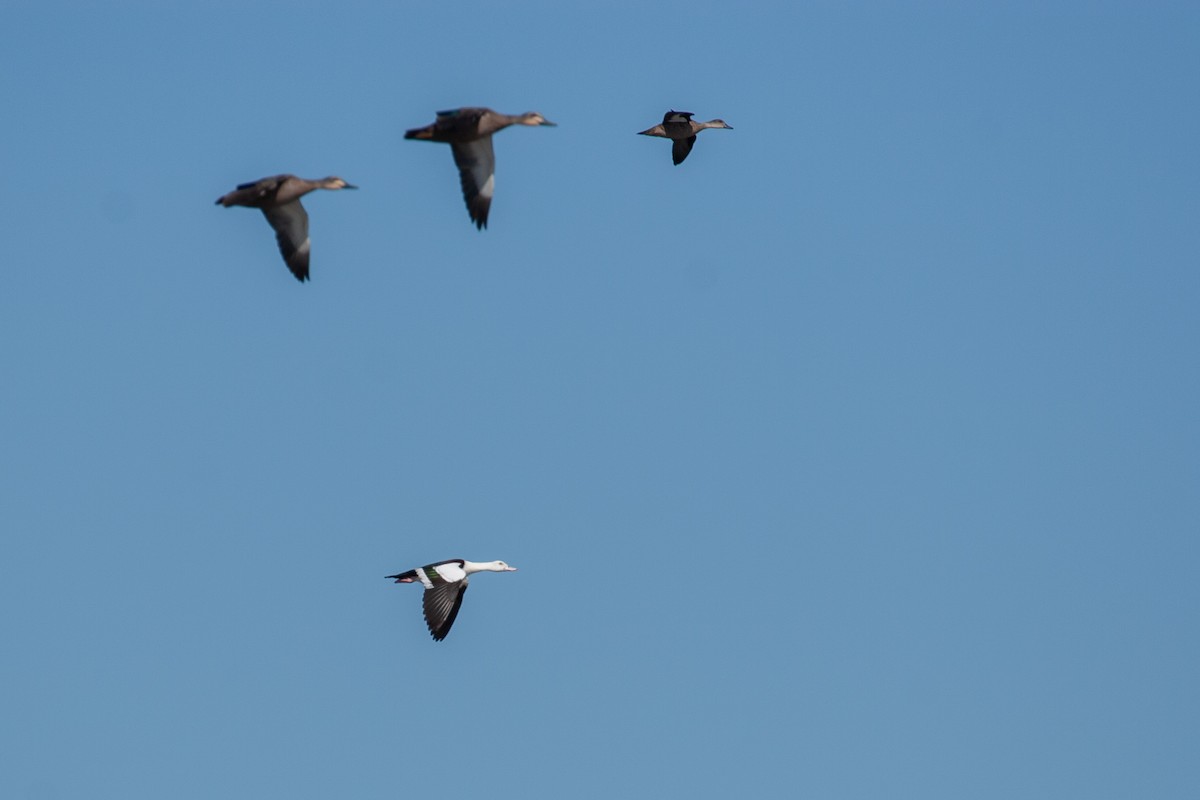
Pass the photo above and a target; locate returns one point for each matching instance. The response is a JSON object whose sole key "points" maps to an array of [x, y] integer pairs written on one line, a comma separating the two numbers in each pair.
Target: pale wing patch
{"points": [[451, 572], [428, 584]]}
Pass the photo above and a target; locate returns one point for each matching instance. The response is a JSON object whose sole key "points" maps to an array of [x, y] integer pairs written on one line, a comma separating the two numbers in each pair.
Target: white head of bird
{"points": [[470, 567]]}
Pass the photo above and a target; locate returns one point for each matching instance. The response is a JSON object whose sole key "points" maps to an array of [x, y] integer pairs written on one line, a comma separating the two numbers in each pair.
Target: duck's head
{"points": [[334, 182], [534, 118], [717, 123], [499, 566]]}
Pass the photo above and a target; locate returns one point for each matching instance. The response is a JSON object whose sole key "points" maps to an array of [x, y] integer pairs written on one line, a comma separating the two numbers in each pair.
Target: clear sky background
{"points": [[856, 457]]}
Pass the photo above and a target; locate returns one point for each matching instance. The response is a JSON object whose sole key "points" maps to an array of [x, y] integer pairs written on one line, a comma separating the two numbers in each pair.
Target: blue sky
{"points": [[856, 457]]}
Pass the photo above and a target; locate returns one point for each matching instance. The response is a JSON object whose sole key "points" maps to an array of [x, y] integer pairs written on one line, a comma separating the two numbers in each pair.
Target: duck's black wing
{"points": [[441, 604], [680, 148]]}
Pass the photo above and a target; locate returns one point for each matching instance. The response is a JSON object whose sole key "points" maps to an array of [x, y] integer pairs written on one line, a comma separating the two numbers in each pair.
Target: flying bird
{"points": [[469, 133], [279, 199], [681, 130], [445, 584]]}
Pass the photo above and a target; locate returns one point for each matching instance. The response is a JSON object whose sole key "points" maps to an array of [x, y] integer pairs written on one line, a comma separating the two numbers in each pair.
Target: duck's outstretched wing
{"points": [[290, 222], [441, 604], [680, 148], [477, 170]]}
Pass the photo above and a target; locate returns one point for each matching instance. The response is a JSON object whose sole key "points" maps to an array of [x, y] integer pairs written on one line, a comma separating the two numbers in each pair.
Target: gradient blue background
{"points": [[857, 457]]}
